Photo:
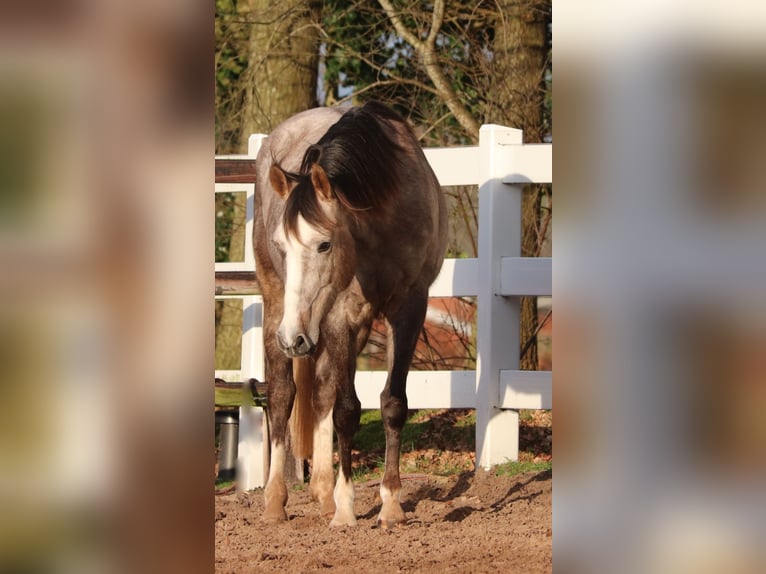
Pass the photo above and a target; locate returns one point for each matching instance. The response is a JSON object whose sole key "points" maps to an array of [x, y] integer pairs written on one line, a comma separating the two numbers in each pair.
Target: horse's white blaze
{"points": [[295, 253], [344, 502], [290, 327]]}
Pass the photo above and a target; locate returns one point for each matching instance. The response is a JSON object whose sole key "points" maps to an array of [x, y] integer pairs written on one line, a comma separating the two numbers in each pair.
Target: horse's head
{"points": [[319, 256]]}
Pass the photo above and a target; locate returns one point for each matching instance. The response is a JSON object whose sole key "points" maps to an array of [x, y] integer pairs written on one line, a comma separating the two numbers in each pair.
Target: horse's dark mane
{"points": [[358, 153]]}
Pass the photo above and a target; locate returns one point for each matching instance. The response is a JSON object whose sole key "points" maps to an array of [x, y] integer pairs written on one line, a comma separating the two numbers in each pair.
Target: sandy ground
{"points": [[471, 522]]}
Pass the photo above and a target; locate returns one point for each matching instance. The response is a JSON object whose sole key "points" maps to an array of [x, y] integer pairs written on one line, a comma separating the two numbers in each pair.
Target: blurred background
{"points": [[106, 168], [106, 178], [660, 285]]}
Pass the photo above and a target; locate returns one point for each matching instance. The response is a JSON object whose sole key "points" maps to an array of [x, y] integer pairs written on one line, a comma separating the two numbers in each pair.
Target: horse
{"points": [[350, 225]]}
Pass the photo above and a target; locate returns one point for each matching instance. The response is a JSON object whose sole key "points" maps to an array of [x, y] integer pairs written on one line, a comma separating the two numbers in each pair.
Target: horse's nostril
{"points": [[281, 341], [303, 345], [300, 345]]}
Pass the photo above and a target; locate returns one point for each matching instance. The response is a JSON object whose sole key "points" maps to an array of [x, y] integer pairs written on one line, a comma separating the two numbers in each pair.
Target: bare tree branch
{"points": [[428, 53], [392, 82], [437, 19], [399, 26]]}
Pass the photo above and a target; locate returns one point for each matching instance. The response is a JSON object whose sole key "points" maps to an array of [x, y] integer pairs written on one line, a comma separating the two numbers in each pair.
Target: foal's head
{"points": [[320, 256]]}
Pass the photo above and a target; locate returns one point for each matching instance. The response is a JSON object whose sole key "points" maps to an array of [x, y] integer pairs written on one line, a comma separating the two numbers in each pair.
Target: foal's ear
{"points": [[278, 180], [321, 182]]}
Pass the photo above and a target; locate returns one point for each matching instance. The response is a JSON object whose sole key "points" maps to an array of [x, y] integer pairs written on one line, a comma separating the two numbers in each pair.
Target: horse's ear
{"points": [[278, 180], [321, 182]]}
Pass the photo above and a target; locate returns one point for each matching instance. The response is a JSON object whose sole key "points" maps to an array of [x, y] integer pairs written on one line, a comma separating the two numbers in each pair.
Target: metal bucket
{"points": [[229, 439]]}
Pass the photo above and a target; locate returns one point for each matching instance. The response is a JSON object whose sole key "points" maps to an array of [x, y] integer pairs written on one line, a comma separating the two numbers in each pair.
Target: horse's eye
{"points": [[324, 247]]}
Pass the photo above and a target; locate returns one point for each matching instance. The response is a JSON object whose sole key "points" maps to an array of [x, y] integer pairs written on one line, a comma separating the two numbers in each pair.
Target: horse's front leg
{"points": [[346, 415], [281, 396], [335, 369], [404, 325], [322, 473]]}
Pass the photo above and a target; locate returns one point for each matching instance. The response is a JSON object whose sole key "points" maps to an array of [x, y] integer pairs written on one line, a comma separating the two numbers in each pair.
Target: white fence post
{"points": [[497, 430], [253, 454]]}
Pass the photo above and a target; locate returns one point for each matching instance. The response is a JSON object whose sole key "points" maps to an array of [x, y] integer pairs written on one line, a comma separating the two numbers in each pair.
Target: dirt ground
{"points": [[470, 522]]}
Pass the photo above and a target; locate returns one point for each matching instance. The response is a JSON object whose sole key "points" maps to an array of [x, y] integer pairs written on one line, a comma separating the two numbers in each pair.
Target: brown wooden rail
{"points": [[235, 171], [236, 283]]}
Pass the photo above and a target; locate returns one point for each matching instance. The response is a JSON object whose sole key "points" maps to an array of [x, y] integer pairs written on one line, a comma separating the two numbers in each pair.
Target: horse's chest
{"points": [[354, 307]]}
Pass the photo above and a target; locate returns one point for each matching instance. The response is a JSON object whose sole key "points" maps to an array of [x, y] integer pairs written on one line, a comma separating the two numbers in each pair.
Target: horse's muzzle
{"points": [[302, 346]]}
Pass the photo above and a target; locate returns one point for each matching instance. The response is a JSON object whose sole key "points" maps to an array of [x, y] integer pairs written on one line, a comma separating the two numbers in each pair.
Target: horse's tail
{"points": [[302, 418]]}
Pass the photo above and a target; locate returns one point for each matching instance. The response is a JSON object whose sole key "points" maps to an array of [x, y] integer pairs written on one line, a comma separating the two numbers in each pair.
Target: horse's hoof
{"points": [[339, 522], [274, 517], [327, 509], [390, 516], [385, 524]]}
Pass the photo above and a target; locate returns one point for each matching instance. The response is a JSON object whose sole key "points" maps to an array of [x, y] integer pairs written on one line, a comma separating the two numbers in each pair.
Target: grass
{"points": [[433, 441], [442, 442], [233, 397], [371, 436], [437, 442], [514, 467], [362, 473], [436, 462]]}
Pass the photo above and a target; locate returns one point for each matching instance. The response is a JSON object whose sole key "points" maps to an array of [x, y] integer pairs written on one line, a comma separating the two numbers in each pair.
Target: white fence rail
{"points": [[501, 165]]}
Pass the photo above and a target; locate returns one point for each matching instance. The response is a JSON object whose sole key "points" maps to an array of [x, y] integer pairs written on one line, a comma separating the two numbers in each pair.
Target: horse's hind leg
{"points": [[404, 326]]}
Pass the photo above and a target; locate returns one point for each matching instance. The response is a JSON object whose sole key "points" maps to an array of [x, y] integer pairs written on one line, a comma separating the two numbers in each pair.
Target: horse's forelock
{"points": [[303, 201], [359, 154]]}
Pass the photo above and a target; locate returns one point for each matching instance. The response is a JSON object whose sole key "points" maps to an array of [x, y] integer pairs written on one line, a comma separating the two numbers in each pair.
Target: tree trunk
{"points": [[520, 61], [283, 63], [281, 81], [518, 89]]}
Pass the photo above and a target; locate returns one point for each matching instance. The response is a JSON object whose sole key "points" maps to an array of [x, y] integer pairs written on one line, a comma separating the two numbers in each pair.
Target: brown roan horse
{"points": [[350, 225]]}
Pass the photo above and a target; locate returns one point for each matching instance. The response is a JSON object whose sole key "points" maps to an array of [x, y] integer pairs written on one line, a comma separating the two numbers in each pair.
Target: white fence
{"points": [[501, 165]]}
